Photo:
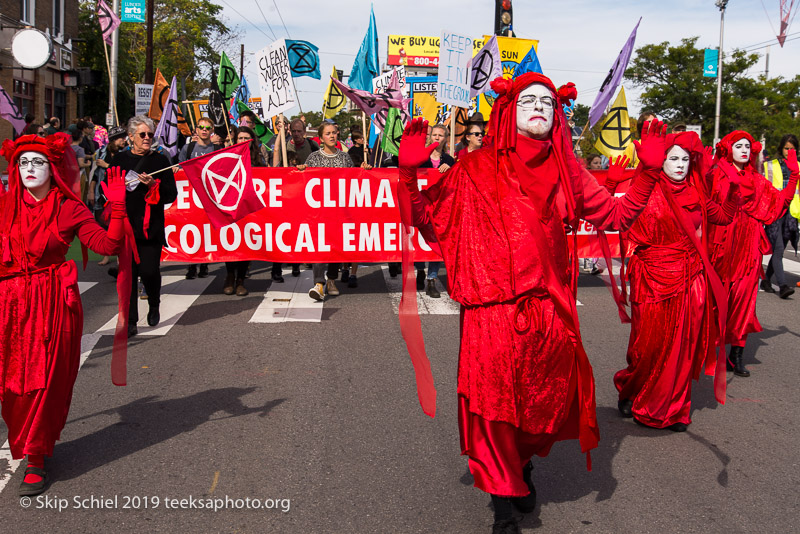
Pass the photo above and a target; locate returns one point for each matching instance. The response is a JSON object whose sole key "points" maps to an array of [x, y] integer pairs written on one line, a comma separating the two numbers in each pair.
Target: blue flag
{"points": [[530, 63], [366, 65], [242, 94], [303, 59]]}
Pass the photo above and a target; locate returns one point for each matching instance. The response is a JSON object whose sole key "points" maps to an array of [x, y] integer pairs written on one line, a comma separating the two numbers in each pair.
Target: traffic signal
{"points": [[503, 18]]}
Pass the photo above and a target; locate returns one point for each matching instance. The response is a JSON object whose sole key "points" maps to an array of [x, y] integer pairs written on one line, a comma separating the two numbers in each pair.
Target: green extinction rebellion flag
{"points": [[227, 78], [390, 143], [264, 134]]}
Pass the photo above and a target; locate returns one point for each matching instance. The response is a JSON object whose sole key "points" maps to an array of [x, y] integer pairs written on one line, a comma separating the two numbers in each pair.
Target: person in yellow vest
{"points": [[784, 230]]}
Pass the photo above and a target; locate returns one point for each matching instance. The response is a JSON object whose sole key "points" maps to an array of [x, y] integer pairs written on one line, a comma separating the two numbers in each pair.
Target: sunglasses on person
{"points": [[148, 135], [476, 134], [204, 127]]}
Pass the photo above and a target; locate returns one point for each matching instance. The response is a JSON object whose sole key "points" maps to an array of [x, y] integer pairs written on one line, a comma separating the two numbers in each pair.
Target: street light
{"points": [[721, 4]]}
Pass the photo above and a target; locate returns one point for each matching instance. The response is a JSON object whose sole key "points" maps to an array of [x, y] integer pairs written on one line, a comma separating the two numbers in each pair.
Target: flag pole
{"points": [[366, 135], [453, 122], [227, 126], [581, 136], [111, 94], [283, 141]]}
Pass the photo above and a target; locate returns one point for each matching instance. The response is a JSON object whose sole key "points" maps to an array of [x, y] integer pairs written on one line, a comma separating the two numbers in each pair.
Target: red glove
{"points": [[652, 150], [616, 167], [413, 151], [791, 162], [789, 191], [114, 186]]}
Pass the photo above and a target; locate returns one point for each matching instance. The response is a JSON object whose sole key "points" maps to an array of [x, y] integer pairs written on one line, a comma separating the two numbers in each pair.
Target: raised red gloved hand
{"points": [[791, 162], [616, 167], [653, 148], [114, 186], [413, 151]]}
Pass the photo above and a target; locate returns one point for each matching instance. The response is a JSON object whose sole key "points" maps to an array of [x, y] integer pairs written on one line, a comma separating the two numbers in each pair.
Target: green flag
{"points": [[264, 134], [390, 143], [227, 79]]}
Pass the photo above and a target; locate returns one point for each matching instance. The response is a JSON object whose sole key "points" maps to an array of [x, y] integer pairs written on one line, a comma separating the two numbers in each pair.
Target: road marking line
{"points": [[425, 304], [177, 296], [289, 302], [214, 484], [83, 287]]}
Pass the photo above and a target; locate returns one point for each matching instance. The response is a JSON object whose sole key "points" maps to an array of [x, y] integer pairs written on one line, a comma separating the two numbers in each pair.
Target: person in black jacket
{"points": [[145, 202]]}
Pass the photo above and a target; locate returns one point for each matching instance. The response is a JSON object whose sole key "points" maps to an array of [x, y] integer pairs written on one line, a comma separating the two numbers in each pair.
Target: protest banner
{"points": [[512, 52], [419, 51], [275, 80], [425, 105], [316, 216], [453, 82]]}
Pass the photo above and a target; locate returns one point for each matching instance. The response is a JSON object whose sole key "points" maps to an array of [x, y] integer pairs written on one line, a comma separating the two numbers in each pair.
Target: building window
{"points": [[58, 18], [60, 105], [24, 97], [27, 11], [48, 103]]}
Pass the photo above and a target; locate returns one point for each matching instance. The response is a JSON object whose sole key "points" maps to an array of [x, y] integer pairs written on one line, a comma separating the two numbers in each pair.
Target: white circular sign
{"points": [[31, 48]]}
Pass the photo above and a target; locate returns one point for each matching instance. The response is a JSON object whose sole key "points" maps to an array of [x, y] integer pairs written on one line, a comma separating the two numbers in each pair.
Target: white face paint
{"points": [[535, 110], [676, 166], [741, 151], [32, 175]]}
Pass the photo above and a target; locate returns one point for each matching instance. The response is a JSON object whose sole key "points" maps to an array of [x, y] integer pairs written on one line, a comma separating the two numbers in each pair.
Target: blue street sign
{"points": [[710, 63], [133, 10]]}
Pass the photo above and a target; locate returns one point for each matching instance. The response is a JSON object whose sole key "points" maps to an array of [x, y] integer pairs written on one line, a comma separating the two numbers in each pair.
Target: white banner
{"points": [[278, 94], [380, 83], [144, 94]]}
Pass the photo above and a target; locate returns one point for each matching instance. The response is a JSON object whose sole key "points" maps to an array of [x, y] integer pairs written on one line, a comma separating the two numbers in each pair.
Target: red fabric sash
{"points": [[152, 197]]}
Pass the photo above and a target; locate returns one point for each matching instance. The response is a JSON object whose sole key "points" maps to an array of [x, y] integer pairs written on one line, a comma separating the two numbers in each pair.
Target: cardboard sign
{"points": [[278, 94], [453, 83], [144, 94], [379, 83]]}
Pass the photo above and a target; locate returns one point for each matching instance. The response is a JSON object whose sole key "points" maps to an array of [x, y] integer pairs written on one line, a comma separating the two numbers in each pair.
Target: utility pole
{"points": [[149, 74], [721, 4], [112, 82], [241, 64], [766, 69]]}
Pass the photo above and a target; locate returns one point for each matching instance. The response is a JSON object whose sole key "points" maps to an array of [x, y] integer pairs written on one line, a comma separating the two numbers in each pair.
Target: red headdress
{"points": [[65, 174], [725, 148]]}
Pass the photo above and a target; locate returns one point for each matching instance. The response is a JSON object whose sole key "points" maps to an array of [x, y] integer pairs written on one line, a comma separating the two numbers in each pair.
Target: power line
{"points": [[274, 36], [248, 20], [281, 17]]}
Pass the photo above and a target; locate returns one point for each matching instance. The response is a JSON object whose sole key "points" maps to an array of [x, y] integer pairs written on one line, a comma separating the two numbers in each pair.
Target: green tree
{"points": [[675, 89], [188, 36]]}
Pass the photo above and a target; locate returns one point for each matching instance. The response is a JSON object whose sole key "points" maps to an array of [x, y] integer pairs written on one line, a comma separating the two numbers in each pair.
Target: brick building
{"points": [[39, 91]]}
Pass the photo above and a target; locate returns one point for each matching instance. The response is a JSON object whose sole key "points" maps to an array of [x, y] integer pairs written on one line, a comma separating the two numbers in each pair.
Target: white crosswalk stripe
{"points": [[425, 304], [289, 301]]}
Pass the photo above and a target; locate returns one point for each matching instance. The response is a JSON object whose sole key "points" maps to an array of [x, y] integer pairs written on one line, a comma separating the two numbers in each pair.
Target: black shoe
{"points": [[132, 330], [786, 292], [678, 427], [295, 270], [505, 526], [345, 275], [352, 281], [527, 503], [191, 272], [203, 271], [735, 357], [153, 316], [625, 407], [431, 290], [393, 270], [766, 286], [277, 277], [113, 271], [34, 488], [420, 280]]}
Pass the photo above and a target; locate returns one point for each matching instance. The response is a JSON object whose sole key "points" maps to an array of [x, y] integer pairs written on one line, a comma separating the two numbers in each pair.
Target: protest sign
{"points": [[453, 83], [144, 94], [512, 52], [275, 79], [424, 103], [380, 83]]}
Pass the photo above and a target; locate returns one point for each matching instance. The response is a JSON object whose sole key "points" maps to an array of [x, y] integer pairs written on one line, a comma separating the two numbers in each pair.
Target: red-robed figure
{"points": [[498, 217], [41, 319], [737, 249], [674, 289]]}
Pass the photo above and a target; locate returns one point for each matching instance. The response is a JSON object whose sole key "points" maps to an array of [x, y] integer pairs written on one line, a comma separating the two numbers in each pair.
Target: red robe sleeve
{"points": [[78, 219], [608, 212]]}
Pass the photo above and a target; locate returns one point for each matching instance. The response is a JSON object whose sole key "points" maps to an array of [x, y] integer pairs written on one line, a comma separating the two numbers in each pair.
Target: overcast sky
{"points": [[578, 39]]}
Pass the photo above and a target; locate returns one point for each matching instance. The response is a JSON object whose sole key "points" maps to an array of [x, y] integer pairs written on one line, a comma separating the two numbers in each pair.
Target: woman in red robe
{"points": [[41, 319], [673, 291], [498, 216], [737, 249]]}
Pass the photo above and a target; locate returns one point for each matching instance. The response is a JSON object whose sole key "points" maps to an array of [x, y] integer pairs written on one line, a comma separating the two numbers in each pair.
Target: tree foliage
{"points": [[675, 89], [188, 36]]}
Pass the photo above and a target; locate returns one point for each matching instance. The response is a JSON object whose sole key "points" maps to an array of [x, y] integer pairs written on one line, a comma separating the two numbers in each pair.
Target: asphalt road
{"points": [[319, 422]]}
